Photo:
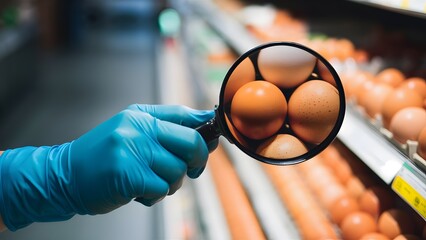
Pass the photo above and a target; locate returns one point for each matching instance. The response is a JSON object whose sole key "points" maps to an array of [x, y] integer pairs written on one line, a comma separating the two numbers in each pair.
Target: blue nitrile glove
{"points": [[142, 152]]}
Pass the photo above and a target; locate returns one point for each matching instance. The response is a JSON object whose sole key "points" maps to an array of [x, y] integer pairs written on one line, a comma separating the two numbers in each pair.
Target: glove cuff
{"points": [[33, 186]]}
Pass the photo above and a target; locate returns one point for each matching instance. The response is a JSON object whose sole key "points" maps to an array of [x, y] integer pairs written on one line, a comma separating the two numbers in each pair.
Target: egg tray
{"points": [[409, 149]]}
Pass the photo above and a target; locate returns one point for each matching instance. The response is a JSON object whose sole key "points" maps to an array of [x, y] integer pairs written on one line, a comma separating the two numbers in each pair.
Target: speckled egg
{"points": [[313, 109]]}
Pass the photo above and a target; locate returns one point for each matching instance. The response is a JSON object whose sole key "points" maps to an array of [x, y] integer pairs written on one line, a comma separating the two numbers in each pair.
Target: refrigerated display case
{"points": [[215, 33]]}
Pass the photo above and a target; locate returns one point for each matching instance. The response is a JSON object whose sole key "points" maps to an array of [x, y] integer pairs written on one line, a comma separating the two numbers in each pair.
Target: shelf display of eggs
{"points": [[392, 103]]}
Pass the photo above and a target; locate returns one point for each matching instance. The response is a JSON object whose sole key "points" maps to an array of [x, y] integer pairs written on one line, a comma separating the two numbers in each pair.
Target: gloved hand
{"points": [[142, 152]]}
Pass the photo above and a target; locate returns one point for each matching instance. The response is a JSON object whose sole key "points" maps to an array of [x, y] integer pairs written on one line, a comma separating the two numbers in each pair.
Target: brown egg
{"points": [[397, 100], [241, 75], [330, 194], [332, 48], [362, 91], [407, 124], [407, 237], [374, 236], [356, 225], [415, 83], [346, 49], [241, 139], [317, 229], [421, 149], [355, 187], [375, 200], [361, 56], [330, 152], [326, 74], [342, 207], [313, 109], [282, 146], [258, 109], [395, 222], [342, 170], [374, 98], [390, 76], [285, 66], [352, 83]]}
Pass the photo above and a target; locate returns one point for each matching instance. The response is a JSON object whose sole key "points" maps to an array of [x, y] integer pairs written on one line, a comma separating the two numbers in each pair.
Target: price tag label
{"points": [[412, 188]]}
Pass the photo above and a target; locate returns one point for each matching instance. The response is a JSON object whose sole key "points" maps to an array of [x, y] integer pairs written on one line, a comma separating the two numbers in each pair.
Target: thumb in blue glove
{"points": [[142, 152]]}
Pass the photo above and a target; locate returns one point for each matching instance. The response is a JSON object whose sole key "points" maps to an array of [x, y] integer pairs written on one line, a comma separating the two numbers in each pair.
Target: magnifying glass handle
{"points": [[209, 131]]}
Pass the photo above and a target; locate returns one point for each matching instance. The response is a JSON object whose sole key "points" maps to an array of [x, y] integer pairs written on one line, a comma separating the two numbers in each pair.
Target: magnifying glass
{"points": [[281, 103]]}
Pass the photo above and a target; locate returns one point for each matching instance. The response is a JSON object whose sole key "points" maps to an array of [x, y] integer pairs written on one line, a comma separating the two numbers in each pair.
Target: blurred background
{"points": [[66, 66]]}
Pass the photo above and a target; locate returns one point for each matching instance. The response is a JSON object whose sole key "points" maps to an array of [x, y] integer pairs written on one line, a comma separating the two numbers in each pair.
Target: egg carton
{"points": [[409, 148], [419, 161], [376, 122]]}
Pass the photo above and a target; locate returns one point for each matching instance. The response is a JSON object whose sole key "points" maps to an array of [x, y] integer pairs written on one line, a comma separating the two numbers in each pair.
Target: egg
{"points": [[332, 49], [407, 237], [421, 149], [285, 66], [313, 109], [362, 91], [374, 236], [355, 187], [242, 74], [374, 99], [346, 49], [258, 109], [342, 170], [330, 194], [313, 228], [238, 137], [356, 225], [343, 207], [361, 56], [391, 76], [326, 74], [332, 153], [282, 146], [407, 124], [354, 82], [397, 100], [415, 83], [375, 200], [395, 222]]}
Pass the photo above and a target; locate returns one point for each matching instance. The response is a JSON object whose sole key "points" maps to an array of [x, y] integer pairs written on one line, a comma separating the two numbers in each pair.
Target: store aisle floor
{"points": [[77, 90]]}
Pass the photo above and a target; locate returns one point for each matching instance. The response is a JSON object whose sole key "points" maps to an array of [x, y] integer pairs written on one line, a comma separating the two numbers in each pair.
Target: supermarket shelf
{"points": [[229, 28], [376, 151], [367, 143], [410, 185], [381, 156], [416, 8]]}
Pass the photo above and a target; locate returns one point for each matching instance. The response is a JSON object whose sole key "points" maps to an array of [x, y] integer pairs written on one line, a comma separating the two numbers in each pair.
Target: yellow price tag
{"points": [[410, 195], [405, 4]]}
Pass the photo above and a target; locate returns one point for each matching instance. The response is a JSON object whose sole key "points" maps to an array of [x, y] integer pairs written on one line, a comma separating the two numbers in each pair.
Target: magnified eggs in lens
{"points": [[241, 75], [258, 109], [313, 109], [256, 102], [285, 66], [282, 146]]}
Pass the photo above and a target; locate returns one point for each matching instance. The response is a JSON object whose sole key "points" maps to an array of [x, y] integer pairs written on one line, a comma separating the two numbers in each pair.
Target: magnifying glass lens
{"points": [[281, 103]]}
